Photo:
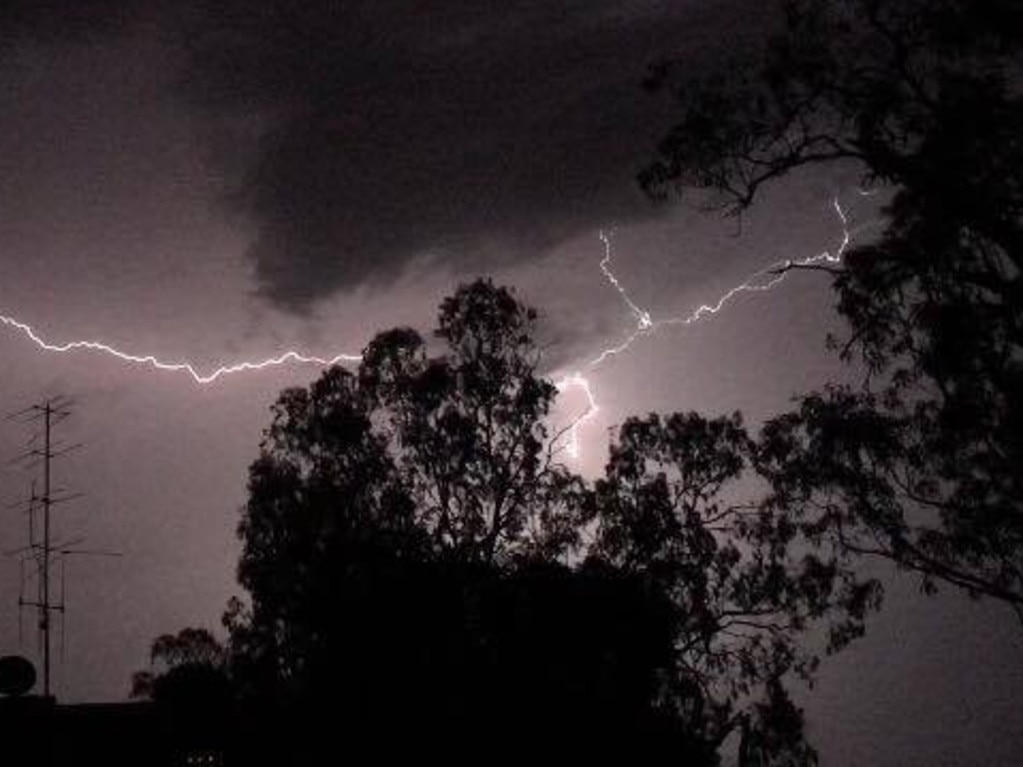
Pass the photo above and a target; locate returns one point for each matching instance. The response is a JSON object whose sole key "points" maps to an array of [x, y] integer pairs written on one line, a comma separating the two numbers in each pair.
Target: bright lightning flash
{"points": [[577, 381], [288, 357], [762, 281]]}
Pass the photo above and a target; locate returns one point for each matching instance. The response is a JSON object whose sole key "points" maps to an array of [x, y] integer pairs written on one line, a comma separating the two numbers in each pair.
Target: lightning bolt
{"points": [[577, 381], [643, 320], [149, 360], [761, 281]]}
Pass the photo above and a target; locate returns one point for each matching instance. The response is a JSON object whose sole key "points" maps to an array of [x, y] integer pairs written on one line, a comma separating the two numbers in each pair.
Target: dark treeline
{"points": [[419, 561], [425, 576]]}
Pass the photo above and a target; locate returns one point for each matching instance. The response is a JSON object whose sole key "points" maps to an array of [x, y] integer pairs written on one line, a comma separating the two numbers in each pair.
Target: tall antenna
{"points": [[42, 549]]}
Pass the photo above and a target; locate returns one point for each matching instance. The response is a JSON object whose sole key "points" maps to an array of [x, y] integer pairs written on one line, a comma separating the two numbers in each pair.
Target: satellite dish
{"points": [[17, 675]]}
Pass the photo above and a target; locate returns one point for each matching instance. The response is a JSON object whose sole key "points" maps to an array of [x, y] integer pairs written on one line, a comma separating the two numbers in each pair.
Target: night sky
{"points": [[227, 182]]}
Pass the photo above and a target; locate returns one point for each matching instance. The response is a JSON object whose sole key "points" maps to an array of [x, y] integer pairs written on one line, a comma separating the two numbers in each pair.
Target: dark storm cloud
{"points": [[474, 130]]}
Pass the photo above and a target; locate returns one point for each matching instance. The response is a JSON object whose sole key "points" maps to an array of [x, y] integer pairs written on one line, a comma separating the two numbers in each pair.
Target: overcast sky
{"points": [[233, 180]]}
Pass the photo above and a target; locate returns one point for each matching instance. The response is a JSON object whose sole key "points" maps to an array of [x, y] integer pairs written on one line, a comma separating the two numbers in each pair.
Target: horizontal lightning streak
{"points": [[152, 361], [762, 281]]}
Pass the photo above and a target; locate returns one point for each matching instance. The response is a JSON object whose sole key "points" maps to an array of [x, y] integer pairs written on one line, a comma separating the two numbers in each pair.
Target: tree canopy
{"points": [[680, 505], [191, 653], [923, 464], [415, 552]]}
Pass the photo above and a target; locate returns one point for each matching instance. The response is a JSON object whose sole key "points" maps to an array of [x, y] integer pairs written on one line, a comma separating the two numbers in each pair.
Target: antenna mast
{"points": [[47, 414]]}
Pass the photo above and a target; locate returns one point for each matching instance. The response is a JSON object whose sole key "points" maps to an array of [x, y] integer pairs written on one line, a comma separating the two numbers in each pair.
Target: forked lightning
{"points": [[762, 281]]}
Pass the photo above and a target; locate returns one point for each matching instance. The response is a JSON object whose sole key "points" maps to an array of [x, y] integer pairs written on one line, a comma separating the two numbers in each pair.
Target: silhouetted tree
{"points": [[413, 457], [744, 580], [189, 685], [174, 657], [414, 558], [469, 430], [924, 463], [406, 546], [418, 561]]}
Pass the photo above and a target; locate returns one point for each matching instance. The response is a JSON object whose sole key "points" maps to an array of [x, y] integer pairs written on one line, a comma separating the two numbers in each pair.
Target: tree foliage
{"points": [[414, 552], [189, 684], [416, 457], [746, 579], [190, 653], [924, 463], [405, 550]]}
